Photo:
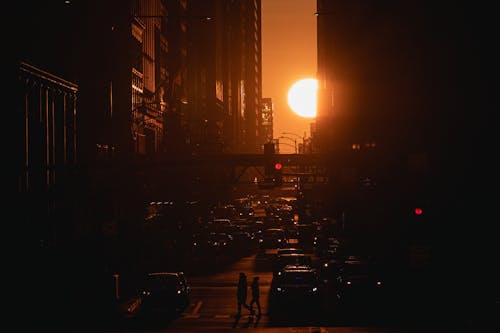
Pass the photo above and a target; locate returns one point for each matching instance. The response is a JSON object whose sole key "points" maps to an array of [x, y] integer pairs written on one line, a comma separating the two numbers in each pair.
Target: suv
{"points": [[165, 292], [296, 259], [296, 284], [272, 238]]}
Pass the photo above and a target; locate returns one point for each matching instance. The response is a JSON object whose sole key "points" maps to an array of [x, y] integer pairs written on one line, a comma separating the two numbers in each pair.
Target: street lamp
{"points": [[284, 143], [292, 139], [298, 136]]}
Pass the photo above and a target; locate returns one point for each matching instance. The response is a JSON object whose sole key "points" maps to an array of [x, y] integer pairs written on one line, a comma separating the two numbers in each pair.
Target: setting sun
{"points": [[302, 97]]}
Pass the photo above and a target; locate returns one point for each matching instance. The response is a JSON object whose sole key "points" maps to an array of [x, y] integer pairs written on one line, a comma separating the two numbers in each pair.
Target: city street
{"points": [[213, 307]]}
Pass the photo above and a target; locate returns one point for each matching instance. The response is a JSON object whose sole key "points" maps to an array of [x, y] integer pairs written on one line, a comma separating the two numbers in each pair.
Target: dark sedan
{"points": [[296, 287], [285, 259], [272, 238], [359, 281], [165, 292]]}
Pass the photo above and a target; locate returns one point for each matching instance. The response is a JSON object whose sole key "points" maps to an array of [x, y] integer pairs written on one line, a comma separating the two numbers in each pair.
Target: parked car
{"points": [[165, 292]]}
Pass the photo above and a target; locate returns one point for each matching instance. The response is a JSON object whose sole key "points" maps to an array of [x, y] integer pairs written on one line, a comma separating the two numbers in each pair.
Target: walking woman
{"points": [[255, 295], [241, 294]]}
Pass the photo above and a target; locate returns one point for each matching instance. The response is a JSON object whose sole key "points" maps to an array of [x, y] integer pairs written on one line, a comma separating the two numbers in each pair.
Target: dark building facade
{"points": [[151, 79], [267, 113], [403, 103], [244, 91], [46, 162]]}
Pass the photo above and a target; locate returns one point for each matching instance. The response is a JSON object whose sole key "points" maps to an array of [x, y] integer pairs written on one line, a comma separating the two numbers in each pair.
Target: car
{"points": [[202, 244], [272, 238], [296, 286], [285, 259], [165, 292], [305, 235], [240, 235], [288, 250], [224, 212], [221, 242], [359, 280], [221, 224]]}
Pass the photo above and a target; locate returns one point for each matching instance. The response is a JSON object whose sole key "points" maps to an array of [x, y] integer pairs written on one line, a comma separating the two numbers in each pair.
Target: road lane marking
{"points": [[190, 315], [222, 316], [197, 307]]}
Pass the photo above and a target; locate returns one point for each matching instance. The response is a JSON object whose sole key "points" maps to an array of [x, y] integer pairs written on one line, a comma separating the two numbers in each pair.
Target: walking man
{"points": [[241, 294], [255, 295]]}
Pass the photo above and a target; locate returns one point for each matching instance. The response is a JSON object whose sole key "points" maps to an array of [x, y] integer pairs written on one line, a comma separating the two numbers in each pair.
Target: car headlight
{"points": [[314, 289]]}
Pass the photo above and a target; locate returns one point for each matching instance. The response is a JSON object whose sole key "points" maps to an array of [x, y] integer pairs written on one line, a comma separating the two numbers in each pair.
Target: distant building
{"points": [[267, 120]]}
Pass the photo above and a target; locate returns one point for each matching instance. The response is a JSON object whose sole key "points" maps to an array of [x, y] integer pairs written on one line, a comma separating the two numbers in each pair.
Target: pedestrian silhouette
{"points": [[255, 295], [241, 294]]}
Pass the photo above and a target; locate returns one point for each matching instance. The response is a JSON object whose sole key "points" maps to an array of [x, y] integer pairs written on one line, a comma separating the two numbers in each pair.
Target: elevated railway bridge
{"points": [[208, 175], [233, 169]]}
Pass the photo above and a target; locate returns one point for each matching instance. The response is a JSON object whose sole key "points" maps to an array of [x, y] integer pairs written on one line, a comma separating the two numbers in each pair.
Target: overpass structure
{"points": [[237, 168]]}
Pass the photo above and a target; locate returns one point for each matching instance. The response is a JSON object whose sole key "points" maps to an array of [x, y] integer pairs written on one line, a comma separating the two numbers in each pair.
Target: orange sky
{"points": [[288, 55]]}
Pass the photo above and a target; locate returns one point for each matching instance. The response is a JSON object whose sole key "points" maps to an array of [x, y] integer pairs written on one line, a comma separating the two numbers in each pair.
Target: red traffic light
{"points": [[278, 166], [418, 211]]}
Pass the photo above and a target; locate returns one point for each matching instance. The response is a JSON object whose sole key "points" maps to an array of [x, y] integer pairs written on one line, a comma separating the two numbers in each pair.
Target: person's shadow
{"points": [[236, 321], [257, 321], [248, 323]]}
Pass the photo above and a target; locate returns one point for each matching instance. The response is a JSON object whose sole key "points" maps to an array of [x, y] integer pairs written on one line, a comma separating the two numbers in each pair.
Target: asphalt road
{"points": [[213, 307]]}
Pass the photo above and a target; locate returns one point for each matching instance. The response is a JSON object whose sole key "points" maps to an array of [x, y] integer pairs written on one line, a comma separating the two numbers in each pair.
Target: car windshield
{"points": [[162, 281], [301, 277], [273, 233], [295, 259], [290, 250], [359, 269]]}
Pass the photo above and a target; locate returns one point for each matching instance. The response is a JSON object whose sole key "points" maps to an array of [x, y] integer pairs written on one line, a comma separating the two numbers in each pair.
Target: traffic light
{"points": [[278, 173]]}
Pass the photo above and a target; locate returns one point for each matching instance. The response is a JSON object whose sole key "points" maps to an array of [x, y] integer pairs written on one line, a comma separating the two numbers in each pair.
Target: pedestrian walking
{"points": [[255, 295], [241, 294]]}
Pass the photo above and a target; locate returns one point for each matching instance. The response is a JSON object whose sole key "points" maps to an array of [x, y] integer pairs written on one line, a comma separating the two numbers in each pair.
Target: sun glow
{"points": [[302, 97]]}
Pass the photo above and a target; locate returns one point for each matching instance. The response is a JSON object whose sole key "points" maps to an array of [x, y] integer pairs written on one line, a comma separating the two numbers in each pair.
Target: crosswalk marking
{"points": [[197, 307], [190, 315], [222, 316]]}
